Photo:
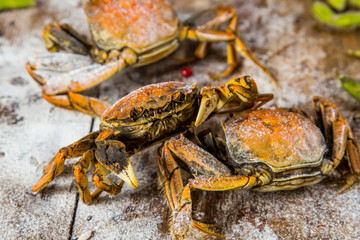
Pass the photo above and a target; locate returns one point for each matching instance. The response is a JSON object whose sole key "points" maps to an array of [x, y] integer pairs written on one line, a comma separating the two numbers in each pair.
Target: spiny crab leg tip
{"points": [[36, 188]]}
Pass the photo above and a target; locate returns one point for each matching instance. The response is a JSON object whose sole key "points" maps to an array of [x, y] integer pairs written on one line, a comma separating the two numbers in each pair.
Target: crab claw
{"points": [[241, 91], [42, 67], [59, 72], [128, 175], [208, 104], [113, 156]]}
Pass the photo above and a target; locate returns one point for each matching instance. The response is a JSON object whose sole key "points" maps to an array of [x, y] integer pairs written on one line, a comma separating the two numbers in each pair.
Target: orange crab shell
{"points": [[153, 96], [280, 139], [138, 24]]}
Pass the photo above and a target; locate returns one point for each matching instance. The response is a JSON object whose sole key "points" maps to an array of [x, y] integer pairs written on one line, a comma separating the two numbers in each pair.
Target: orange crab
{"points": [[126, 33], [145, 117], [265, 150]]}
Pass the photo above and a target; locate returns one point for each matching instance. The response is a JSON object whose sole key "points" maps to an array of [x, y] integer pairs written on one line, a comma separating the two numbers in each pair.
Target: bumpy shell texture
{"points": [[154, 96], [280, 139], [137, 24]]}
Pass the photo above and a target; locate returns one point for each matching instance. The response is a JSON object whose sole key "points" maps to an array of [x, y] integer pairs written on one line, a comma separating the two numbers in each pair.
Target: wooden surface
{"points": [[283, 35]]}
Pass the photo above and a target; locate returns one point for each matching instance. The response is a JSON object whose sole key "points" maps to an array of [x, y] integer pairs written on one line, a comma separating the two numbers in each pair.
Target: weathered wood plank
{"points": [[283, 34], [302, 55], [31, 132]]}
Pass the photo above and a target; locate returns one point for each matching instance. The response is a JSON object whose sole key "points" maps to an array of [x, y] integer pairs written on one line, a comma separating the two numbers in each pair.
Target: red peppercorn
{"points": [[186, 72]]}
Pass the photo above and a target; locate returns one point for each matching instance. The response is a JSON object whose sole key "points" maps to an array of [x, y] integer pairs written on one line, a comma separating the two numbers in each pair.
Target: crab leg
{"points": [[100, 173], [74, 77], [63, 37], [88, 105], [182, 214], [210, 174], [56, 165], [170, 177], [353, 152], [235, 42], [200, 53], [231, 61], [207, 33], [106, 184], [339, 138], [80, 168], [240, 91]]}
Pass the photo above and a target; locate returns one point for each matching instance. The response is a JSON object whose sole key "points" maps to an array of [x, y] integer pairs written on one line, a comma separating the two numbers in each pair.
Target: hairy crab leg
{"points": [[210, 175], [240, 91], [199, 54], [339, 138], [169, 175], [80, 168], [89, 105], [106, 184], [231, 61], [208, 34], [56, 165], [71, 101], [353, 152], [170, 179], [75, 78]]}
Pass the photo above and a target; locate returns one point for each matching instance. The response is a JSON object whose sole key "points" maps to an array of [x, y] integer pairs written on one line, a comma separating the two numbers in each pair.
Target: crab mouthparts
{"points": [[128, 175]]}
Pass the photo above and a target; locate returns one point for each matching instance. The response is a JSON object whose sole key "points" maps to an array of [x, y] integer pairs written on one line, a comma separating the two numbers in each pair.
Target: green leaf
{"points": [[347, 20], [356, 3], [9, 4], [350, 85], [322, 12], [355, 53], [338, 5]]}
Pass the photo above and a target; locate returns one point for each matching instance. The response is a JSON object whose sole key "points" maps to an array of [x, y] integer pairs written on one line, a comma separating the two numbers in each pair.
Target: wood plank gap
{"points": [[76, 204]]}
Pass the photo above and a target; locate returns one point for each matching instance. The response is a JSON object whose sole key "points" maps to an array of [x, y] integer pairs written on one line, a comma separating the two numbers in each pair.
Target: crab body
{"points": [[140, 25], [125, 33], [264, 150], [289, 144], [152, 112]]}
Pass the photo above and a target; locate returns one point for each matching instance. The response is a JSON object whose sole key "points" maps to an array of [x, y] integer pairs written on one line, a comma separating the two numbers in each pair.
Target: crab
{"points": [[264, 149], [126, 33], [143, 118]]}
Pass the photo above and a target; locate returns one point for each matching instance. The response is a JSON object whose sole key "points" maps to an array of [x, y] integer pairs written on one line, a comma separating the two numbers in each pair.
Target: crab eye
{"points": [[181, 96], [135, 112]]}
